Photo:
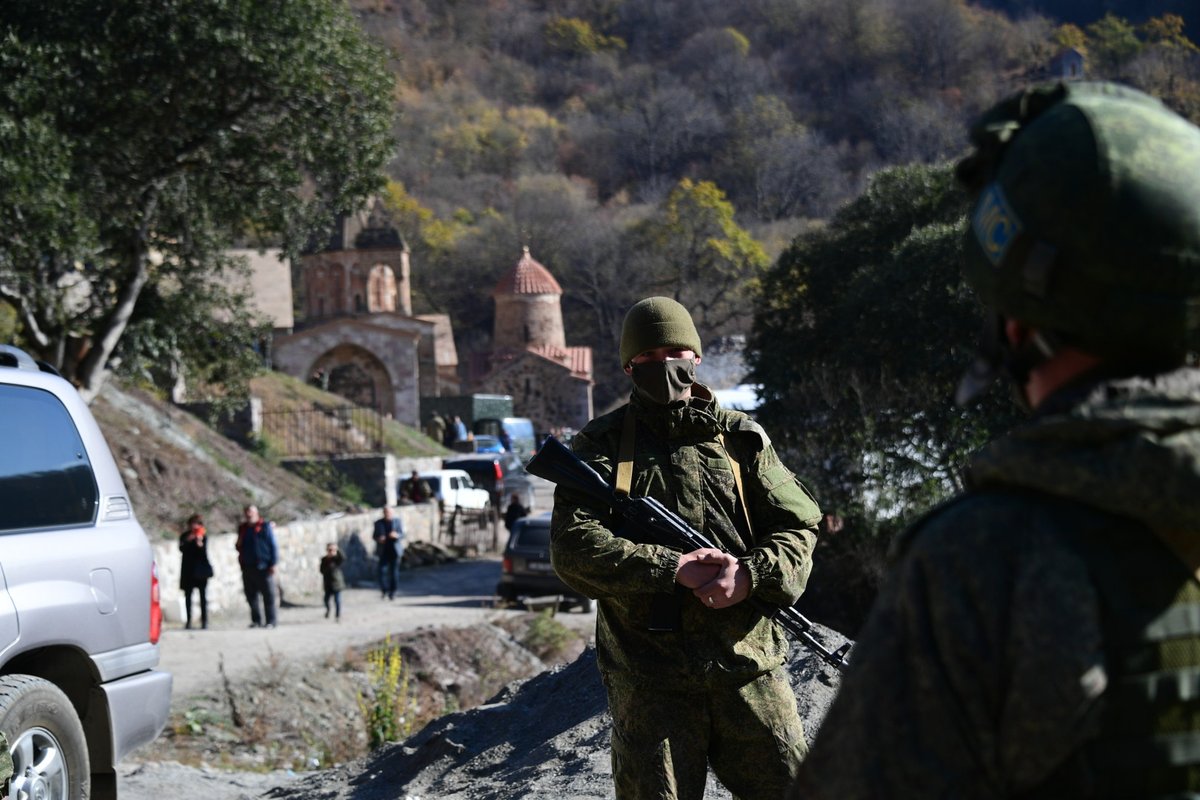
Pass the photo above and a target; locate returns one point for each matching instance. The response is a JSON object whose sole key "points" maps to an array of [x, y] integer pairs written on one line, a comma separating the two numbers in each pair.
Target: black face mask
{"points": [[664, 382]]}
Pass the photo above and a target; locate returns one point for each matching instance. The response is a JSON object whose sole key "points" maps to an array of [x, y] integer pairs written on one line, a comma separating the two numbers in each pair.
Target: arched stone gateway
{"points": [[356, 374]]}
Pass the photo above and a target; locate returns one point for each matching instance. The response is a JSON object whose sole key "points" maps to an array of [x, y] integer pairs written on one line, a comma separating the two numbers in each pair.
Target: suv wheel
{"points": [[49, 752]]}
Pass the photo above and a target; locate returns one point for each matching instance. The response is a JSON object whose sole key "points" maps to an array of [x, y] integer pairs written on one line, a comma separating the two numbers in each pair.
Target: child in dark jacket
{"points": [[334, 580]]}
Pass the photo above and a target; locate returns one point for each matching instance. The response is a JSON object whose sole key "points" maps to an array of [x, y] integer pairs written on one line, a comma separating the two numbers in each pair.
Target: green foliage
{"points": [[8, 323], [204, 333], [693, 249], [862, 331], [576, 37], [324, 475], [1167, 31], [147, 178], [194, 722], [388, 711], [1069, 35], [546, 637], [1113, 42]]}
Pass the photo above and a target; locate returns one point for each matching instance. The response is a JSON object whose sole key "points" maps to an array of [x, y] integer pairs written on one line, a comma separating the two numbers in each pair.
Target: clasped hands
{"points": [[717, 578]]}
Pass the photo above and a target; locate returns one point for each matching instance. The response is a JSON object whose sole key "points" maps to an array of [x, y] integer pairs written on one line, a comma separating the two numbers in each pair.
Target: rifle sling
{"points": [[624, 472], [625, 454], [737, 481]]}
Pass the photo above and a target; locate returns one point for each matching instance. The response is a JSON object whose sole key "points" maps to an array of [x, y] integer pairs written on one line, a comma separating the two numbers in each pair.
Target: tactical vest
{"points": [[1149, 741]]}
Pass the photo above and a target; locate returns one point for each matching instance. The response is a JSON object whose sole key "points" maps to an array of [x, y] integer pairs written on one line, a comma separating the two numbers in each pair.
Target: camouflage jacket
{"points": [[680, 462], [982, 667]]}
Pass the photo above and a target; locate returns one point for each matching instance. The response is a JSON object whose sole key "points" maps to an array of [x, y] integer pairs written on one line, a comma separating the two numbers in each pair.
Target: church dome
{"points": [[527, 277]]}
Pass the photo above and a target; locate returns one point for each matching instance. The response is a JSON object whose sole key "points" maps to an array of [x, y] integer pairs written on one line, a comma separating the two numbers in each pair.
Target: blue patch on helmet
{"points": [[994, 223]]}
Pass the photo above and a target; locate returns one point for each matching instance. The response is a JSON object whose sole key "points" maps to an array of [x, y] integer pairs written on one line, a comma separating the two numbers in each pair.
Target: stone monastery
{"points": [[358, 335]]}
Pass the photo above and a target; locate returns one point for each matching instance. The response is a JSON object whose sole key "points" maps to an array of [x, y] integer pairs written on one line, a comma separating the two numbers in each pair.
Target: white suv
{"points": [[455, 490], [79, 612]]}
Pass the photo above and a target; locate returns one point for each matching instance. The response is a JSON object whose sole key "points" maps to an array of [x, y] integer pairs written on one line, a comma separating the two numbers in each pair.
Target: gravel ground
{"points": [[545, 738], [542, 739]]}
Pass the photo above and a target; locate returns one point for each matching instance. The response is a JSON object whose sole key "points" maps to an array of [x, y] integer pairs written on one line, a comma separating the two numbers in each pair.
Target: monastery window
{"points": [[381, 289]]}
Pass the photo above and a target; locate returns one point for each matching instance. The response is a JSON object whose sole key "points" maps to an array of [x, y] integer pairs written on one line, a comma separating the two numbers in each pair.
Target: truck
{"points": [[470, 407], [488, 414]]}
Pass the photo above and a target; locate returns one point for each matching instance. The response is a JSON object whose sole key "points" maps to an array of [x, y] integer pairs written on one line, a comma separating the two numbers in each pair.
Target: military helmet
{"points": [[1086, 220]]}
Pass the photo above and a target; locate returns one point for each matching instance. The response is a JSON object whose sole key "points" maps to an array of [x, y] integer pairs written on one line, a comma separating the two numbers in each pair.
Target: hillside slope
{"points": [[174, 465]]}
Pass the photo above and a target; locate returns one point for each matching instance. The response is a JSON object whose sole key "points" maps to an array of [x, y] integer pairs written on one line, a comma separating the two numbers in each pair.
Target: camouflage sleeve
{"points": [[974, 674], [785, 518], [585, 551]]}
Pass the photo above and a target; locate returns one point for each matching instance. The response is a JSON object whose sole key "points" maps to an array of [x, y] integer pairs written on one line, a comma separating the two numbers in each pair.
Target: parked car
{"points": [[79, 611], [526, 571], [502, 474], [455, 490], [479, 443], [516, 433]]}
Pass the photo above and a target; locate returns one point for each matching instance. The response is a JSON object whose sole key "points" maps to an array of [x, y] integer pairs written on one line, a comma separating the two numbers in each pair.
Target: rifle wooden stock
{"points": [[560, 466]]}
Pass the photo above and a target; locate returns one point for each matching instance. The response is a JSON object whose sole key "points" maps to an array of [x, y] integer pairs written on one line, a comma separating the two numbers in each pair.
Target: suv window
{"points": [[45, 476]]}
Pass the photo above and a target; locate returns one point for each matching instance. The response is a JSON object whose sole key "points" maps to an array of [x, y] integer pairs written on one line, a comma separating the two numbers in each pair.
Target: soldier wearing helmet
{"points": [[694, 674], [1039, 635]]}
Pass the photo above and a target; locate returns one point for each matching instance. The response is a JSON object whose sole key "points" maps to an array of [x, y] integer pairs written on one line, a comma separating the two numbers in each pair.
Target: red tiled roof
{"points": [[527, 277], [576, 359]]}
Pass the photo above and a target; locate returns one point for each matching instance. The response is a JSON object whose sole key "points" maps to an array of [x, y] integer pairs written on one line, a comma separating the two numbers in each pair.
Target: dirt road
{"points": [[450, 595]]}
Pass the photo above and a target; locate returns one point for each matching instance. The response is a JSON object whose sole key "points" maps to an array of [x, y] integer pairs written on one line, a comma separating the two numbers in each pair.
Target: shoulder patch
{"points": [[994, 224]]}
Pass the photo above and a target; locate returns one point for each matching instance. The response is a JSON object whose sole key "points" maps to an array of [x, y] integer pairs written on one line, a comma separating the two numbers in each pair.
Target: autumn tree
{"points": [[693, 250], [169, 129]]}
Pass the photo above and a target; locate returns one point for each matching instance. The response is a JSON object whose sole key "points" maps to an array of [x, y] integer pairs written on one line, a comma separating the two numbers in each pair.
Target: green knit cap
{"points": [[657, 322]]}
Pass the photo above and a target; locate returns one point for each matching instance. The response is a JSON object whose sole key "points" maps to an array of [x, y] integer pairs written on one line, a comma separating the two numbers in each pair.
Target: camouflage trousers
{"points": [[664, 740]]}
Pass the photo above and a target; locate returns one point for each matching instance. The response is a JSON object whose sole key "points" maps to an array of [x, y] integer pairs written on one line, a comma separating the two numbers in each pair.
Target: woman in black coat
{"points": [[195, 570]]}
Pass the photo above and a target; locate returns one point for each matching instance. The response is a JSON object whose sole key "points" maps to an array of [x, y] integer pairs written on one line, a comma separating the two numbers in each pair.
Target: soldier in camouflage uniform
{"points": [[693, 673], [1039, 636]]}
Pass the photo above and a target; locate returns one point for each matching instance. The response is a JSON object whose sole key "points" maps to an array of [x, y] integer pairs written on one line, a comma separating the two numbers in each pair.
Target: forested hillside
{"points": [[676, 147], [780, 166]]}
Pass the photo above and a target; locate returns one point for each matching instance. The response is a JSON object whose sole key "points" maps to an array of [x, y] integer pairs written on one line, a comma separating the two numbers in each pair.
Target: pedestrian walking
{"points": [[257, 556], [332, 579]]}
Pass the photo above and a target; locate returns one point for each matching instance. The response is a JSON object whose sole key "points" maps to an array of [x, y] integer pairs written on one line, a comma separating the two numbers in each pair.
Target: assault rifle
{"points": [[652, 519]]}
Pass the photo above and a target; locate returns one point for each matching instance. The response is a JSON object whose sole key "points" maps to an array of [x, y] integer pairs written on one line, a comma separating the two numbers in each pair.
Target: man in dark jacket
{"points": [[257, 556], [389, 542], [694, 674], [1038, 636], [514, 512]]}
